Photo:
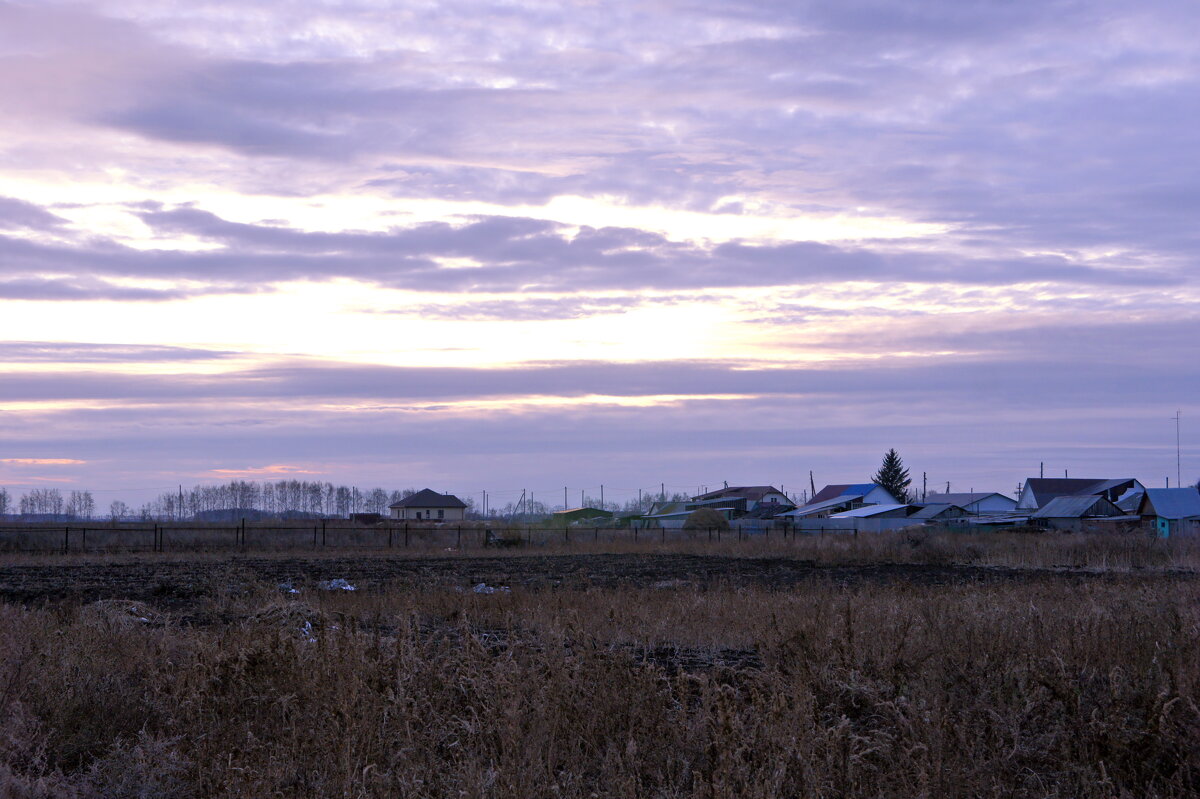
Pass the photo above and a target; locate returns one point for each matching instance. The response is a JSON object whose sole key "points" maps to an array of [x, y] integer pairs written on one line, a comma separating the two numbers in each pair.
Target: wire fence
{"points": [[67, 538]]}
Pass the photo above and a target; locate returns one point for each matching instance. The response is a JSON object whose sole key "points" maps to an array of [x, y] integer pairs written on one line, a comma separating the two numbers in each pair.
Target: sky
{"points": [[504, 245]]}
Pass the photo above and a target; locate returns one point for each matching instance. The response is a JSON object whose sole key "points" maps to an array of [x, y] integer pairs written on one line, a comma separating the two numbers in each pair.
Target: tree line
{"points": [[280, 499]]}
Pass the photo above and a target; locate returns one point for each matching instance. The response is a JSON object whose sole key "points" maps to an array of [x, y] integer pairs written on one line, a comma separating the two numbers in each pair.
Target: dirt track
{"points": [[176, 580]]}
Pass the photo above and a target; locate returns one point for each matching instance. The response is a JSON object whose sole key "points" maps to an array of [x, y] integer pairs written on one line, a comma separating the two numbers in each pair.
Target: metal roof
{"points": [[933, 510], [1046, 489], [840, 490], [746, 492], [1172, 503], [964, 498], [867, 510], [1076, 508], [817, 507]]}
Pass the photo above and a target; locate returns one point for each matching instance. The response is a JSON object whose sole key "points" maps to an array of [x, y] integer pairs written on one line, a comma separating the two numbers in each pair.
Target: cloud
{"points": [[42, 461], [274, 470], [17, 214], [512, 254], [80, 352], [86, 288]]}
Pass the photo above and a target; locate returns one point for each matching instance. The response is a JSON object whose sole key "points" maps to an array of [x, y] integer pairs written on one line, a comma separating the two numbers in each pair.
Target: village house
{"points": [[745, 499], [429, 505], [1037, 491], [842, 497]]}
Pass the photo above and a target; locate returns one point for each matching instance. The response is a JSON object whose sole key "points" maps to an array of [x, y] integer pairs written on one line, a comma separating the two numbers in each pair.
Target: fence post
{"points": [[635, 535], [314, 536], [566, 535], [664, 535], [66, 540], [406, 535], [595, 534], [459, 544], [390, 531], [83, 546], [322, 536]]}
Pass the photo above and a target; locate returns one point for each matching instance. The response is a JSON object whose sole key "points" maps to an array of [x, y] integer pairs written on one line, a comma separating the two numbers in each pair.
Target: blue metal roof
{"points": [[1172, 503]]}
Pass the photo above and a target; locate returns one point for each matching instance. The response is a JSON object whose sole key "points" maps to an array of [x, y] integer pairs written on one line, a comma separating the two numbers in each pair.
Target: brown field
{"points": [[935, 666]]}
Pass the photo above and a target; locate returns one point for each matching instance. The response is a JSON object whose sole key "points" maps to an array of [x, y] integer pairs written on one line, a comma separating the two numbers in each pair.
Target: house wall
{"points": [[996, 503], [429, 514], [768, 498], [879, 496]]}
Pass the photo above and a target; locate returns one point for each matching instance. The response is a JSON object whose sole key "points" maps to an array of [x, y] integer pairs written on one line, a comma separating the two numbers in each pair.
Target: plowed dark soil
{"points": [[177, 581]]}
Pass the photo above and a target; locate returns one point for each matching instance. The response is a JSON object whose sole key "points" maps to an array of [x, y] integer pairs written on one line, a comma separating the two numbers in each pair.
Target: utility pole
{"points": [[947, 486], [1178, 458], [602, 496], [564, 497], [663, 496], [1042, 469], [924, 485], [812, 484]]}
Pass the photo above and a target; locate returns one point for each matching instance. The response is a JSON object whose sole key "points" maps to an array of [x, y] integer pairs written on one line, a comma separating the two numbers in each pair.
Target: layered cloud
{"points": [[247, 236]]}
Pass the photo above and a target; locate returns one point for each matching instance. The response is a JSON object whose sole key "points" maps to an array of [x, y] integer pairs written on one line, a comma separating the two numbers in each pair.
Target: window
{"points": [[441, 514]]}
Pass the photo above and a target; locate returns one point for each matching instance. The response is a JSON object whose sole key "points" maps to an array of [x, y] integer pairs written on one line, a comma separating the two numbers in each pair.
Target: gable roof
{"points": [[840, 490], [1045, 489], [428, 498], [964, 498], [933, 510], [755, 493], [588, 512], [1076, 508], [1171, 503]]}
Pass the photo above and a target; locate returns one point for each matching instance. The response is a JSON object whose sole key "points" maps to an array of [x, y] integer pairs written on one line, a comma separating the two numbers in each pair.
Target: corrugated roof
{"points": [[931, 511], [1076, 508], [963, 498], [867, 510], [1172, 503], [818, 507], [1046, 489], [749, 492], [841, 489]]}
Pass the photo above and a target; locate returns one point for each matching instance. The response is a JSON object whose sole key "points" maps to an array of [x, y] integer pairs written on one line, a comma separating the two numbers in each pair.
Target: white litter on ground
{"points": [[338, 584], [484, 588], [288, 588]]}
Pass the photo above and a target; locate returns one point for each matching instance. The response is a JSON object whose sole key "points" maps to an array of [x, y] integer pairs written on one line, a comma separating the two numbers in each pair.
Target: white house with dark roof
{"points": [[429, 505]]}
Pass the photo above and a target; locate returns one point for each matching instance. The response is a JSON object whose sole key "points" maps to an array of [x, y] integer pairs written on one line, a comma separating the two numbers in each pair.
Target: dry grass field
{"points": [[1032, 666]]}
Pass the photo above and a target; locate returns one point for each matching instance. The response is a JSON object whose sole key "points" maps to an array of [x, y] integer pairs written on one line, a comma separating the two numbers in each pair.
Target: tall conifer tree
{"points": [[894, 477]]}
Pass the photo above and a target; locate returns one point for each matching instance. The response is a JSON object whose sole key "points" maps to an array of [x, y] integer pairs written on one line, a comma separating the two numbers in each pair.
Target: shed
{"points": [[1069, 513], [1171, 510], [580, 515], [936, 512]]}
